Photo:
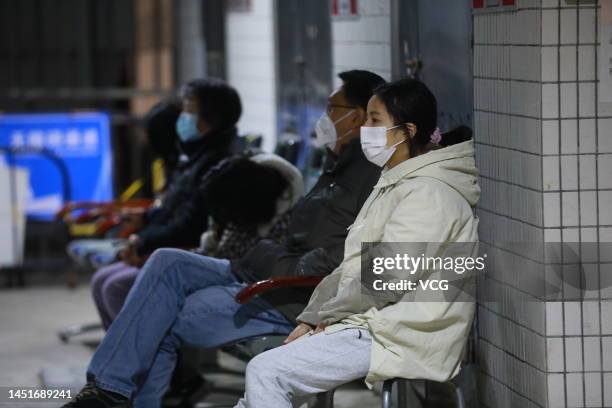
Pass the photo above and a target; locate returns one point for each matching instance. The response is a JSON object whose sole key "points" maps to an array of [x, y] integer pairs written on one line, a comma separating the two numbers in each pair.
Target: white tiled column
{"points": [[544, 147], [251, 65]]}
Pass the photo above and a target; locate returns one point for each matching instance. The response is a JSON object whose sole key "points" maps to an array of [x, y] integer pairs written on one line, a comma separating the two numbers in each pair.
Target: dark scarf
{"points": [[216, 140], [336, 162]]}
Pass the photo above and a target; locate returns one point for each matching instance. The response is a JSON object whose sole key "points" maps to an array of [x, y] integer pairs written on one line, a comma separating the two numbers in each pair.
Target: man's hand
{"points": [[298, 332], [136, 260], [130, 255], [126, 253], [133, 218]]}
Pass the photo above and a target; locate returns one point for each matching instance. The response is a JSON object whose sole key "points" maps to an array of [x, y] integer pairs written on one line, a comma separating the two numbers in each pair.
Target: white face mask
{"points": [[374, 144], [325, 130]]}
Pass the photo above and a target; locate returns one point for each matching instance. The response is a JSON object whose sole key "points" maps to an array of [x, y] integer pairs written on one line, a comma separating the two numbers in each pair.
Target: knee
{"points": [[159, 260], [164, 262], [162, 255], [97, 281], [116, 290], [261, 369]]}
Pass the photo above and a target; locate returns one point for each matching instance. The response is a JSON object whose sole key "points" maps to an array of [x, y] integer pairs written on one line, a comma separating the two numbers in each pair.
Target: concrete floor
{"points": [[30, 319]]}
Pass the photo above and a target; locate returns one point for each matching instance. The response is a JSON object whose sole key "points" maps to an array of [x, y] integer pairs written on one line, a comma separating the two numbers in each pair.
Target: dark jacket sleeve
{"points": [[320, 261], [266, 259], [152, 214], [181, 231], [280, 261]]}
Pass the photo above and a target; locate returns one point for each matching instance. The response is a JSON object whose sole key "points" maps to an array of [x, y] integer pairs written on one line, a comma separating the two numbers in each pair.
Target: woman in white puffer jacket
{"points": [[426, 194]]}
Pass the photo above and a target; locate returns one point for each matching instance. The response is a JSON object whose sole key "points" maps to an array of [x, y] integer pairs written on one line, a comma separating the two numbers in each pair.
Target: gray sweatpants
{"points": [[308, 365]]}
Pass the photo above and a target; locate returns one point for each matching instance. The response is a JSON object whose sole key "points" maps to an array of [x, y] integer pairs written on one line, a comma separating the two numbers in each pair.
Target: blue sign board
{"points": [[81, 141]]}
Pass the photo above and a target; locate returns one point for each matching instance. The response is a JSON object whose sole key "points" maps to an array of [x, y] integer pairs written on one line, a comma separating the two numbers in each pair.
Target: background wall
{"points": [[190, 47], [543, 148], [357, 43], [363, 42], [251, 67]]}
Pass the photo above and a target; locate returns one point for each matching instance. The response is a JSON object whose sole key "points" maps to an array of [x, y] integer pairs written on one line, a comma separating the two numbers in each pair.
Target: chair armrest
{"points": [[257, 288], [81, 205], [96, 208]]}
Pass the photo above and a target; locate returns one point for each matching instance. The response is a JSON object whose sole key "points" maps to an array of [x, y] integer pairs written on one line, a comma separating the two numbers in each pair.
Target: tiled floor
{"points": [[29, 320]]}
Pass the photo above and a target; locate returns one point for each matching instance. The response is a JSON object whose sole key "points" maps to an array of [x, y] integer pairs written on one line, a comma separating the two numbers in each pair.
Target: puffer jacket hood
{"points": [[295, 188], [427, 200], [453, 165]]}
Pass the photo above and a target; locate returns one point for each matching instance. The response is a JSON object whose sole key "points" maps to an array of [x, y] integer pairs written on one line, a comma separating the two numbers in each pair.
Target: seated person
{"points": [[162, 137], [181, 298], [272, 185], [426, 194], [160, 127], [206, 129]]}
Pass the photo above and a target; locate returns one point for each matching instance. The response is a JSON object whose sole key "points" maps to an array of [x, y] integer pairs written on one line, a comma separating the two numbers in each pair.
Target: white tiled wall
{"points": [[251, 67], [543, 149], [363, 42]]}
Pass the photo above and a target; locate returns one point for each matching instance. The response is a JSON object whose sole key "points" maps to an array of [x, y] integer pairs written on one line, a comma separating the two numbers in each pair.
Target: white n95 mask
{"points": [[325, 130], [374, 144]]}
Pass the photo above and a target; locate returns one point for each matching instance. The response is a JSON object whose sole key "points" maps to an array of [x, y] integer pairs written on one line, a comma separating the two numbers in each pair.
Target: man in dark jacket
{"points": [[206, 129], [183, 298], [314, 245]]}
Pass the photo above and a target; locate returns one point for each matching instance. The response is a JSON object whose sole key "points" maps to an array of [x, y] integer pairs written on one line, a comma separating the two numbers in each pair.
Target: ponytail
{"points": [[458, 135]]}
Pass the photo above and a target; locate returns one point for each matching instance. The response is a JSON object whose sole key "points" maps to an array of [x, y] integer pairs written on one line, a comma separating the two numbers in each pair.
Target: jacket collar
{"points": [[407, 168], [214, 141], [348, 153]]}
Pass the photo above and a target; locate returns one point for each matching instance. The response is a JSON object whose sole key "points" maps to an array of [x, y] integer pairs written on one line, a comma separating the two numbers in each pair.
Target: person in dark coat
{"points": [[160, 128], [206, 129], [183, 298]]}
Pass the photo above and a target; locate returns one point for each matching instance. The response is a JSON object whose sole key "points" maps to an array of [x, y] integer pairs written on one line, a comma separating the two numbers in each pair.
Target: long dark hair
{"points": [[410, 101]]}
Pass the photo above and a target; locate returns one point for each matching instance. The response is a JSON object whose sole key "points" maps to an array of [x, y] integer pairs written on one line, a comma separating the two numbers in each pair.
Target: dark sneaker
{"points": [[187, 393], [94, 397]]}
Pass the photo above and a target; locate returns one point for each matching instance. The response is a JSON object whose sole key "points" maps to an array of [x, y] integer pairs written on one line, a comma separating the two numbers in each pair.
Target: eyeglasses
{"points": [[331, 107]]}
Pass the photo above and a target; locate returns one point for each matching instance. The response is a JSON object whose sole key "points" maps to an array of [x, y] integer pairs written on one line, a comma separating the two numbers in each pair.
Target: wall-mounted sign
{"points": [[81, 141], [345, 8]]}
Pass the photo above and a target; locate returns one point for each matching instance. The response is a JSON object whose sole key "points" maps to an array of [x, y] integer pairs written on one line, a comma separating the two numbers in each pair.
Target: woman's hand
{"points": [[320, 327], [298, 332]]}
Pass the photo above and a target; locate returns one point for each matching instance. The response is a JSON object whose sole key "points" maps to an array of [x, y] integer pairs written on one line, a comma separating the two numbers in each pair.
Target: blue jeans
{"points": [[179, 298]]}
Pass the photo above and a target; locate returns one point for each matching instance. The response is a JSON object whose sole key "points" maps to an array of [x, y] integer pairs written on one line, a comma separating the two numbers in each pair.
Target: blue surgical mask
{"points": [[187, 127]]}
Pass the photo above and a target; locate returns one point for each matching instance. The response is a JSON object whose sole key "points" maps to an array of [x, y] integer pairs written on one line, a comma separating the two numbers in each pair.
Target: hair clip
{"points": [[436, 136]]}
